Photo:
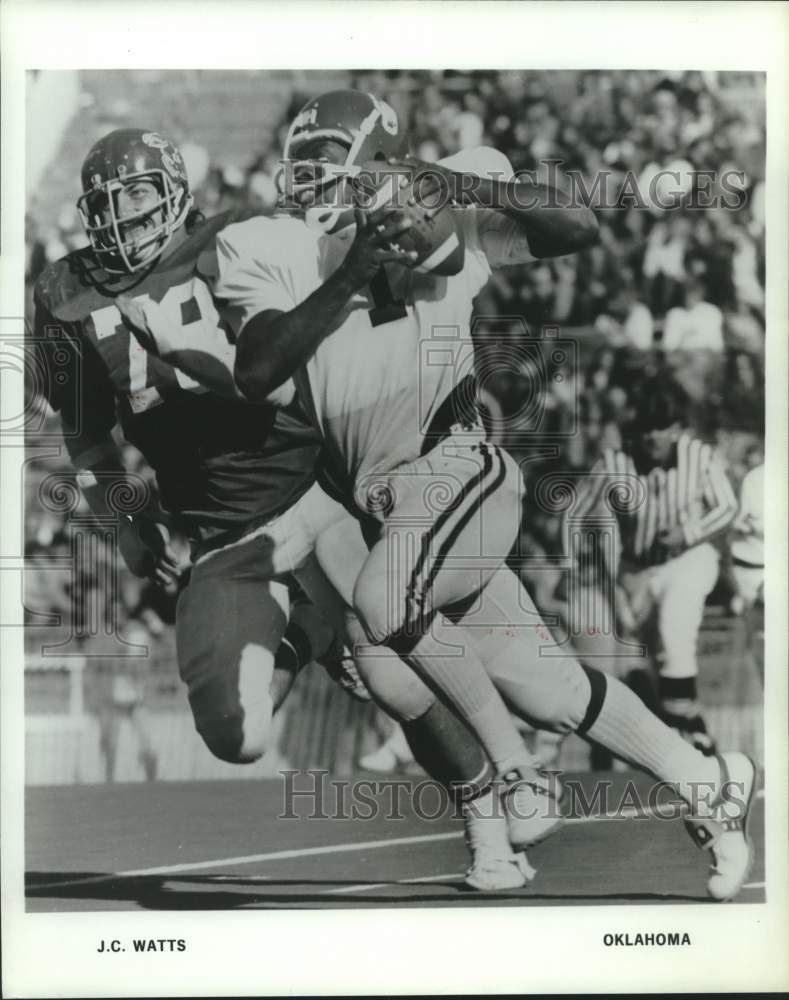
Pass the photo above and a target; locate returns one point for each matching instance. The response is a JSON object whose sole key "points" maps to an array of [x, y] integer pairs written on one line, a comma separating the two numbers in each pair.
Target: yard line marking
{"points": [[366, 886], [250, 859], [303, 852]]}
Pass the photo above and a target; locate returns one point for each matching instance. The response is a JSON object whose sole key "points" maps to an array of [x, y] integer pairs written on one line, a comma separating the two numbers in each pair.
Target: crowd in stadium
{"points": [[678, 291]]}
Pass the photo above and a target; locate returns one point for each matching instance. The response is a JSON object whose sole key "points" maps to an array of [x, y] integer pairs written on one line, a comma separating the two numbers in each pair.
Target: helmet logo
{"points": [[388, 115], [308, 116], [171, 157]]}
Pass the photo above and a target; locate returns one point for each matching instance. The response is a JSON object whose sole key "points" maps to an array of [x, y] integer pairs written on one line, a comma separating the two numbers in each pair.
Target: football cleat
{"points": [[722, 827], [494, 865], [531, 805], [338, 664]]}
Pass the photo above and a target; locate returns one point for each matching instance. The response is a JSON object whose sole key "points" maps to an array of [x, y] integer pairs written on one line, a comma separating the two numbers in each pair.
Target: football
{"points": [[435, 234]]}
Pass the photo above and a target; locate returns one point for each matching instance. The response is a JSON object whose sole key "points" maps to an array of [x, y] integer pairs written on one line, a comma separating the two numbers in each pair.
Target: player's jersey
{"points": [[374, 389], [222, 463]]}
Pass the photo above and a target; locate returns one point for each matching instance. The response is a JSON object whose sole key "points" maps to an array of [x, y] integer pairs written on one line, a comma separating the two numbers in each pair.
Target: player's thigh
{"points": [[229, 622], [342, 552], [453, 517]]}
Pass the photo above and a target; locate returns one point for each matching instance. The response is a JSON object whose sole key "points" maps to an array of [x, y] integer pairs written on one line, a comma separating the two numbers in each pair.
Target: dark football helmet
{"points": [[365, 125], [119, 159]]}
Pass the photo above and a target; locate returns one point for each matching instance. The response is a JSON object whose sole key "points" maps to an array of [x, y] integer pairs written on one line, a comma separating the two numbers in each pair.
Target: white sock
{"points": [[466, 685], [626, 726]]}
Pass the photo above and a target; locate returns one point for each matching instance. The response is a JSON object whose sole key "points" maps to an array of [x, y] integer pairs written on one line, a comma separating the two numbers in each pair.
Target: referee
{"points": [[670, 497]]}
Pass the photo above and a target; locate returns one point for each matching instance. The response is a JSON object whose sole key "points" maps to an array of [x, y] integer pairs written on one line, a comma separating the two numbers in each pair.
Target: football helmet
{"points": [[119, 159], [365, 125]]}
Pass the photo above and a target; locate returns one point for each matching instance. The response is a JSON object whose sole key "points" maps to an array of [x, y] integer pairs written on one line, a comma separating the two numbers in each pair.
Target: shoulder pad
{"points": [[276, 234], [484, 161], [69, 288]]}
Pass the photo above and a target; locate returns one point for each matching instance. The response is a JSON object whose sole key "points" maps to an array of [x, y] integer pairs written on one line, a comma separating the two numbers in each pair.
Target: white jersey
{"points": [[373, 390]]}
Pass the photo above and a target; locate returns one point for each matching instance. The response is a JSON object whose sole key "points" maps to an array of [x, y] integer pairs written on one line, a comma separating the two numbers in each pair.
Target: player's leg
{"points": [[237, 651], [440, 742], [229, 622], [450, 519], [681, 587], [556, 692]]}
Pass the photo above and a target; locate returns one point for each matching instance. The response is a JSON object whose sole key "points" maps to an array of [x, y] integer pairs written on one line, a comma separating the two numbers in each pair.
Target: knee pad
{"points": [[550, 693], [373, 606]]}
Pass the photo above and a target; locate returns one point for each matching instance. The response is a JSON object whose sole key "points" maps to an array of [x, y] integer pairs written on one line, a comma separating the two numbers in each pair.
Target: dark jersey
{"points": [[223, 464]]}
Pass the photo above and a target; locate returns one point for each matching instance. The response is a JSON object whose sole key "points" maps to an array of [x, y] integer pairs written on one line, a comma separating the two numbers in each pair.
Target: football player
{"points": [[341, 308], [239, 475], [338, 305]]}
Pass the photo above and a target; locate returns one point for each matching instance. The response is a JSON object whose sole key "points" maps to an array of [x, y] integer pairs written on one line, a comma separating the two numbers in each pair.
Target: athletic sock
{"points": [[445, 747], [678, 696], [466, 685], [619, 720]]}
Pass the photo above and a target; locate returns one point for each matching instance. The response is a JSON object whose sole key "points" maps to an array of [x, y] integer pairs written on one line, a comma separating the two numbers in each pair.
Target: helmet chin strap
{"points": [[337, 217]]}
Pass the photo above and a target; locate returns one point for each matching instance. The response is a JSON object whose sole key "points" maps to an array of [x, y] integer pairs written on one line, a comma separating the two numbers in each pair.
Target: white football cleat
{"points": [[722, 828], [531, 805], [494, 865]]}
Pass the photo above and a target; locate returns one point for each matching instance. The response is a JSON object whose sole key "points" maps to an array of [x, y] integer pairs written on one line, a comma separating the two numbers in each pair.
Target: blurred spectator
{"points": [[696, 326]]}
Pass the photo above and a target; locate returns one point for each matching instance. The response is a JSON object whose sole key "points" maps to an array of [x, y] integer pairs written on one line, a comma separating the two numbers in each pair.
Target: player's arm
{"points": [[274, 343], [83, 397], [719, 499], [546, 216]]}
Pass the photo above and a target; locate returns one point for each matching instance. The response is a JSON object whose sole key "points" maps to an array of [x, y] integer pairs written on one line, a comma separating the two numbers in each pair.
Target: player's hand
{"points": [[435, 185], [375, 243], [146, 550]]}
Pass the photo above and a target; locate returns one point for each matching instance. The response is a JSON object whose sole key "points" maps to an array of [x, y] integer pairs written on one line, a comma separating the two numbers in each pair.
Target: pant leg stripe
{"points": [[427, 538], [464, 519]]}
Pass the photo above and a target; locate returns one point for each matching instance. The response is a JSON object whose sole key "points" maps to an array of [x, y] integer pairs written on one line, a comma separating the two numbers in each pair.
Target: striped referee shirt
{"points": [[692, 492]]}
